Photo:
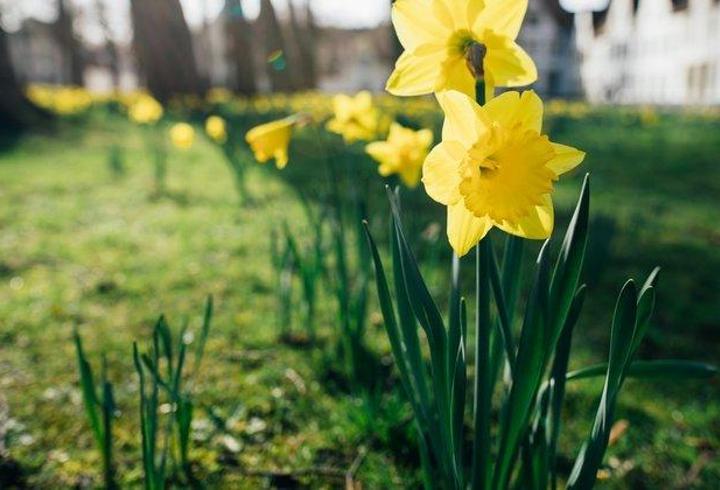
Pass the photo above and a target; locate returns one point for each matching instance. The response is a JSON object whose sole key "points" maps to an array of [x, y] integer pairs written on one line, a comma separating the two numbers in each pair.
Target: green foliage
{"points": [[160, 440], [78, 248], [116, 161], [100, 410], [176, 384], [531, 401]]}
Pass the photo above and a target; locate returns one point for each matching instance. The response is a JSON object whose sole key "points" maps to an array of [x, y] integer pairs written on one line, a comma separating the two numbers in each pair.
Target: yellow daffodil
{"points": [[145, 110], [495, 168], [216, 128], [182, 136], [271, 140], [65, 101], [443, 39], [355, 118], [403, 153]]}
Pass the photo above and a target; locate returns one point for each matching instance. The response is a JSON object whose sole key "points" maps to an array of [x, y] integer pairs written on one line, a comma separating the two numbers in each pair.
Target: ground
{"points": [[83, 246]]}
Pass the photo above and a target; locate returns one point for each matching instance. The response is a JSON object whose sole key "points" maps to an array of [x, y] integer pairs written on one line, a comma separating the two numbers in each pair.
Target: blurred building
{"points": [[38, 58], [357, 59], [548, 35], [651, 52], [36, 54]]}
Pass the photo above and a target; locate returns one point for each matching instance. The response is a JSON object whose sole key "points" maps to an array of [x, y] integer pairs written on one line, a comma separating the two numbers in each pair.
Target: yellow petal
{"points": [[417, 72], [410, 177], [441, 172], [362, 101], [457, 12], [464, 229], [511, 108], [456, 76], [379, 151], [424, 138], [566, 158], [415, 24], [537, 225], [281, 158], [342, 106], [465, 121], [501, 16], [508, 64]]}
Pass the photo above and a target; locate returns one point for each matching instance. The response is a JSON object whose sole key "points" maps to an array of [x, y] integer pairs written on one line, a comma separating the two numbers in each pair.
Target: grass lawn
{"points": [[80, 246]]}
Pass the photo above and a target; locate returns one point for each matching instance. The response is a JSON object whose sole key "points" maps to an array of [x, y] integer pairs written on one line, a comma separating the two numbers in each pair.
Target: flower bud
{"points": [[475, 57]]}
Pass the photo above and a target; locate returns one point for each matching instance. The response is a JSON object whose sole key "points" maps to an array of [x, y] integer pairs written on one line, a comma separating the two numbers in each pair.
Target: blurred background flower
{"points": [[182, 136]]}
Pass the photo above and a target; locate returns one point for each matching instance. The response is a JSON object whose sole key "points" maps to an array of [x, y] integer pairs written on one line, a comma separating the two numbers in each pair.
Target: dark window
{"points": [[554, 84], [679, 5]]}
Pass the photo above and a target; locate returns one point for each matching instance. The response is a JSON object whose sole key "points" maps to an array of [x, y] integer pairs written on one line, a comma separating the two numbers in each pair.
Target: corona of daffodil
{"points": [[182, 136], [494, 167], [402, 153], [271, 140], [145, 110], [355, 118], [444, 39], [216, 128]]}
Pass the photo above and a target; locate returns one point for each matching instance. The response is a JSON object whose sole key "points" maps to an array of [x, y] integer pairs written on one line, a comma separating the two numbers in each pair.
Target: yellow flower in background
{"points": [[440, 35], [355, 118], [495, 168], [218, 95], [402, 153], [65, 101], [216, 128], [182, 135], [145, 110], [271, 140]]}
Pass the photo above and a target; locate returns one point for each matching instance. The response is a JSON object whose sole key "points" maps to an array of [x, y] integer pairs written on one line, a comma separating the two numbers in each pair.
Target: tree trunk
{"points": [[16, 111], [163, 46], [310, 47], [70, 46], [275, 54], [240, 59], [303, 40]]}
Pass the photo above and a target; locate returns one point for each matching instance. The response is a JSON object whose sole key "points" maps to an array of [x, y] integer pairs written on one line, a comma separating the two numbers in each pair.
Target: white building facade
{"points": [[664, 52]]}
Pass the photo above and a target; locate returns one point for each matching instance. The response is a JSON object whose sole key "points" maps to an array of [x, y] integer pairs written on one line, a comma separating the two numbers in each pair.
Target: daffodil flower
{"points": [[182, 136], [495, 168], [145, 110], [402, 153], [271, 140], [216, 128], [441, 38], [355, 118]]}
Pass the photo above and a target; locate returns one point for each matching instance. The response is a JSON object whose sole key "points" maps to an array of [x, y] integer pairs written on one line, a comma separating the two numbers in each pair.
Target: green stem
{"points": [[483, 381]]}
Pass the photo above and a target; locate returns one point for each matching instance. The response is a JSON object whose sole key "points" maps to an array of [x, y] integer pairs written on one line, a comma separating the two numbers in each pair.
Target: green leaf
{"points": [[529, 368], [557, 381], [591, 454], [568, 268], [501, 304], [87, 387], [658, 369], [399, 349], [204, 332]]}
